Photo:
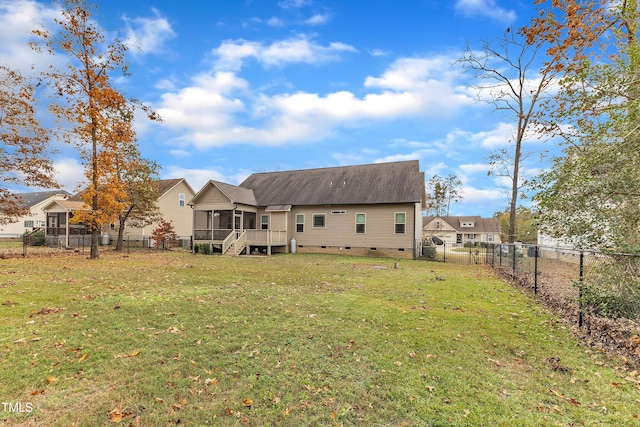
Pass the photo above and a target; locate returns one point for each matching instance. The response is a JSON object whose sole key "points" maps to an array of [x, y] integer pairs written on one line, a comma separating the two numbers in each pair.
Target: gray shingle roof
{"points": [[236, 194], [31, 199], [397, 182]]}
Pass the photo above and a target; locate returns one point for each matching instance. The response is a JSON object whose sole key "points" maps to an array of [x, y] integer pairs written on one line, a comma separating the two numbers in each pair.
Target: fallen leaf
{"points": [[36, 392], [20, 341], [51, 379], [36, 339], [84, 357], [247, 403], [210, 381], [398, 363], [134, 354]]}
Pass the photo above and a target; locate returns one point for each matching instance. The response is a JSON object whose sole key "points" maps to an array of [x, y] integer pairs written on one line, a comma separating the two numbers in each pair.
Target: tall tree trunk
{"points": [[120, 234]]}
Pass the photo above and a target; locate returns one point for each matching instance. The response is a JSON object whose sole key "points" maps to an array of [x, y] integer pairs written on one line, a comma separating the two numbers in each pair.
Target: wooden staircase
{"points": [[237, 246]]}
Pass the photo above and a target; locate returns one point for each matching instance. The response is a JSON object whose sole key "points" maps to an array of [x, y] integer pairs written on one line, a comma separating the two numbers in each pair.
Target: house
{"points": [[373, 209], [36, 218], [172, 203], [462, 229]]}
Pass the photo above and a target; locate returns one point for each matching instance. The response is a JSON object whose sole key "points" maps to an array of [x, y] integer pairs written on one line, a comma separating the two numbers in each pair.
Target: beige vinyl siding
{"points": [[170, 209], [214, 198], [181, 216], [340, 229]]}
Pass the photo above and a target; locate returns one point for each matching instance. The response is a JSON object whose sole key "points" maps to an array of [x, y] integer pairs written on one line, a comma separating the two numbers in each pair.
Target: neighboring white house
{"points": [[36, 218], [462, 229]]}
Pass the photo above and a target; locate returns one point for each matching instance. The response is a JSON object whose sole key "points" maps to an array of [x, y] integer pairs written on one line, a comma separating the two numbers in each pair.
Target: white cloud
{"points": [[69, 173], [486, 8], [301, 49], [209, 111], [196, 178], [275, 22], [318, 19], [474, 168], [17, 19], [293, 4], [148, 34]]}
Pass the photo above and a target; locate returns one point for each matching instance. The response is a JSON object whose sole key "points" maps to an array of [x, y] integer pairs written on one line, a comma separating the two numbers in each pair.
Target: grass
{"points": [[171, 338]]}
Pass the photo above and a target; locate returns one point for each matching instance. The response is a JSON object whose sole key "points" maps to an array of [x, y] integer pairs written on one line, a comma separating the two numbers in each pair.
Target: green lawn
{"points": [[178, 339]]}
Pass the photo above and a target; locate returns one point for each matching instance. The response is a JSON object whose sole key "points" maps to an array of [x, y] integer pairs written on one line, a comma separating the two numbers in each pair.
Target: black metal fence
{"points": [[598, 291]]}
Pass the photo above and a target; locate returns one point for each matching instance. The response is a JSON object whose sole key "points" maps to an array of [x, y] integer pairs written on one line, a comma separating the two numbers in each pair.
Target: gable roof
{"points": [[68, 204], [481, 225], [164, 185], [397, 182], [234, 193], [32, 199]]}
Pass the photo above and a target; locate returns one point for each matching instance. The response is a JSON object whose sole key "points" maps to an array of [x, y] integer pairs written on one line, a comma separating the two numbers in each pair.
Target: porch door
{"points": [[459, 238], [237, 223]]}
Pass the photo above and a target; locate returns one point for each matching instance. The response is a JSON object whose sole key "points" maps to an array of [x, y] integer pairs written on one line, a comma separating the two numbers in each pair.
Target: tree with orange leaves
{"points": [[24, 149], [97, 114], [592, 192]]}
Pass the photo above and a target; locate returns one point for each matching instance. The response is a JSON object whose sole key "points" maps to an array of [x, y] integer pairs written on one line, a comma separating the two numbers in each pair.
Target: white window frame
{"points": [[313, 220], [364, 224], [300, 223], [395, 223], [181, 199], [262, 223], [29, 223]]}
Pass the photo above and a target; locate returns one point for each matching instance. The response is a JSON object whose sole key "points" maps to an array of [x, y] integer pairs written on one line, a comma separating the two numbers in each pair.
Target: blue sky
{"points": [[262, 85]]}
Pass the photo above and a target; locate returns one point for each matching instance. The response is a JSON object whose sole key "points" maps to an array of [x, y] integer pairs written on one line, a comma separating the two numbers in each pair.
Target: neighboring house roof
{"points": [[68, 204], [165, 185], [32, 199], [481, 225], [397, 182]]}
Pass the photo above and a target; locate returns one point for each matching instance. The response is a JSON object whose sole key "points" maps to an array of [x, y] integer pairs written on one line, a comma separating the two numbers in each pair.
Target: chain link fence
{"points": [[598, 292]]}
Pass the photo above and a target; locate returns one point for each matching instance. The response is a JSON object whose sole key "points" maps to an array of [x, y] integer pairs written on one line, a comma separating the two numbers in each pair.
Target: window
{"points": [[400, 222], [319, 220], [181, 199], [338, 212], [438, 224], [264, 222], [28, 223], [361, 220], [300, 223], [490, 237]]}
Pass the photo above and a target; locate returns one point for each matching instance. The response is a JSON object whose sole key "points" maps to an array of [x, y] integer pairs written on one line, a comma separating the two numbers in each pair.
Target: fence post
{"points": [[24, 245], [444, 252], [535, 271], [581, 279], [513, 248]]}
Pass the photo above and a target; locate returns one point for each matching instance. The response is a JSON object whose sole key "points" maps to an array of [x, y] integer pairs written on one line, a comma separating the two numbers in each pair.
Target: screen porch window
{"points": [[264, 222], [400, 222], [361, 220], [299, 223]]}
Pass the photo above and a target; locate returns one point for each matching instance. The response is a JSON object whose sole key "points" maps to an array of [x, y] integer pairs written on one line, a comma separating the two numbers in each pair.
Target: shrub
{"points": [[612, 288], [164, 236]]}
